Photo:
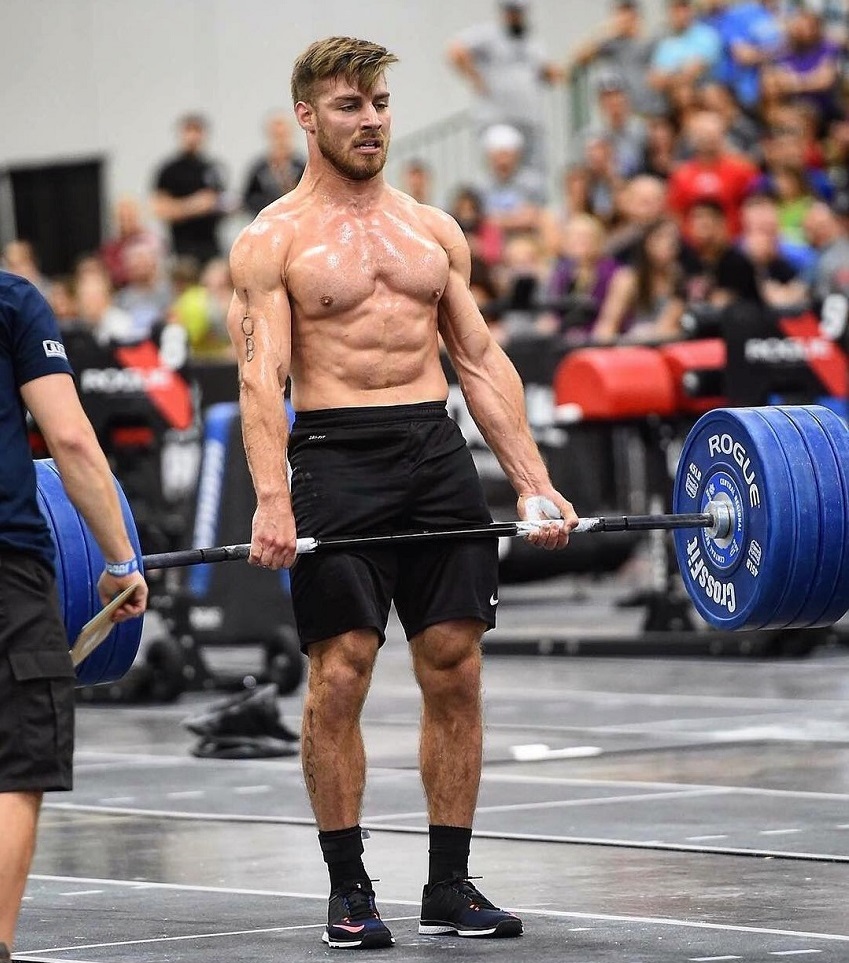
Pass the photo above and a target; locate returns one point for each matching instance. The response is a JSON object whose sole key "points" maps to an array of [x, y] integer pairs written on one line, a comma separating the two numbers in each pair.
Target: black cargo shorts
{"points": [[36, 680]]}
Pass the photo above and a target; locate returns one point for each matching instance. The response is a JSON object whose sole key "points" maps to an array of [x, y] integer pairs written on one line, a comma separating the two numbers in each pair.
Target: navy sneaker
{"points": [[353, 921], [456, 906]]}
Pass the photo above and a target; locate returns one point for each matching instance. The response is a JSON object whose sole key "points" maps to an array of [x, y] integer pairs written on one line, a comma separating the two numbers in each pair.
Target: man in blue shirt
{"points": [[36, 675], [685, 55], [751, 36]]}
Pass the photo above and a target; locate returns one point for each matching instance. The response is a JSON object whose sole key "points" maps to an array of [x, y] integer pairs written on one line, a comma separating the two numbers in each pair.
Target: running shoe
{"points": [[353, 921], [456, 906]]}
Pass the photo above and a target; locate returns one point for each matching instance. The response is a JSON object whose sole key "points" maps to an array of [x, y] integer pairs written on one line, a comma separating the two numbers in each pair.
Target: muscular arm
{"points": [[491, 386], [259, 325], [52, 401]]}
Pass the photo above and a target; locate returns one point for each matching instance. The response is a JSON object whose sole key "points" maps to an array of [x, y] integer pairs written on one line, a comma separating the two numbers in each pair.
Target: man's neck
{"points": [[326, 180]]}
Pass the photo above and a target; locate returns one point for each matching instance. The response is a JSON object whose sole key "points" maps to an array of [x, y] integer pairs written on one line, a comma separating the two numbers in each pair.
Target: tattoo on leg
{"points": [[308, 752], [248, 332]]}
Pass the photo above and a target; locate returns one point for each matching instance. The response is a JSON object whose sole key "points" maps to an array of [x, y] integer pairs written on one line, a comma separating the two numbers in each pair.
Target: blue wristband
{"points": [[122, 568]]}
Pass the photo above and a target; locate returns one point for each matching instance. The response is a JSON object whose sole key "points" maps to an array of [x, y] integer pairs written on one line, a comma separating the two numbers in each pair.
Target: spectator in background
{"points": [[778, 280], [686, 54], [19, 258], [507, 71], [482, 233], [129, 230], [751, 37], [277, 171], [684, 102], [625, 131], [603, 179], [147, 295], [713, 173], [717, 272], [485, 292], [783, 148], [741, 132], [62, 298], [416, 180], [621, 48], [218, 285], [661, 151], [513, 194], [808, 70], [837, 159], [829, 239], [584, 273], [523, 273], [189, 194], [647, 298], [642, 202], [106, 322], [760, 214]]}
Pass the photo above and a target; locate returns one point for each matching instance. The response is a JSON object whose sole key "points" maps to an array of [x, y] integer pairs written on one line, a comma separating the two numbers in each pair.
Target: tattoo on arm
{"points": [[248, 331]]}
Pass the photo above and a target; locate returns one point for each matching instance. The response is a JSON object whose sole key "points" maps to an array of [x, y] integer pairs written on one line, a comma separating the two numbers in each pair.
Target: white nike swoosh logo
{"points": [[493, 599]]}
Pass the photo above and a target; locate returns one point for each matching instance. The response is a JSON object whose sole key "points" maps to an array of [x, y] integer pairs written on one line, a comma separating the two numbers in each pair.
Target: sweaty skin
{"points": [[346, 284]]}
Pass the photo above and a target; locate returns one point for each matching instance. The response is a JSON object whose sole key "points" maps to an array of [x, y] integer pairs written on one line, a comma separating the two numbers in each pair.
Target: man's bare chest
{"points": [[347, 263]]}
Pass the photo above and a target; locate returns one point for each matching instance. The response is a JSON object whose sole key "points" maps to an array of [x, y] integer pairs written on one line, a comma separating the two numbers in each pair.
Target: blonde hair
{"points": [[361, 63]]}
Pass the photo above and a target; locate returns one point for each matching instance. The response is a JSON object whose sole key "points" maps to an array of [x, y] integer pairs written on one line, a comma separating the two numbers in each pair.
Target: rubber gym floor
{"points": [[632, 809]]}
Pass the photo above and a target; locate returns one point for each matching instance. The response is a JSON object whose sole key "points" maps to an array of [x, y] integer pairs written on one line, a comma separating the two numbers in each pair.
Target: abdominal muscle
{"points": [[384, 351]]}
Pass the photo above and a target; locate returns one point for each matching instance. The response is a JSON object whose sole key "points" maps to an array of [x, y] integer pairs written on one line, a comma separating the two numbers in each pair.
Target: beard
{"points": [[356, 167]]}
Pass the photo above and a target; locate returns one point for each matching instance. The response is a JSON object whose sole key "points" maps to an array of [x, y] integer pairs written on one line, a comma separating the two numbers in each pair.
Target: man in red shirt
{"points": [[714, 173]]}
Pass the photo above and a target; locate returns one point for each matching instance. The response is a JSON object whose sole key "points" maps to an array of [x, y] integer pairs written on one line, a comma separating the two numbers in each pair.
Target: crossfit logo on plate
{"points": [[717, 591], [726, 445], [54, 349]]}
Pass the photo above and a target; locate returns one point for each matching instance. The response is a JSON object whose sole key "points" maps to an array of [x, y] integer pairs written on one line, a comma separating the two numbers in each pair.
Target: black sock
{"points": [[449, 852], [343, 850]]}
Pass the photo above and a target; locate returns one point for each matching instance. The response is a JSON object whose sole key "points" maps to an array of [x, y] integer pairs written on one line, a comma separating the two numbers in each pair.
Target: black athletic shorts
{"points": [[36, 680], [383, 470]]}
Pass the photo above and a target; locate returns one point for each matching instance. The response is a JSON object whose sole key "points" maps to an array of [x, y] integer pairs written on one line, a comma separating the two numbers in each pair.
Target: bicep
{"points": [[259, 324], [53, 402], [259, 320]]}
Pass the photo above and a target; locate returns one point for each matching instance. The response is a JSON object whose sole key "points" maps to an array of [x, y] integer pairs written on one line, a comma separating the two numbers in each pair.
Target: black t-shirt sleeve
{"points": [[164, 180], [37, 343]]}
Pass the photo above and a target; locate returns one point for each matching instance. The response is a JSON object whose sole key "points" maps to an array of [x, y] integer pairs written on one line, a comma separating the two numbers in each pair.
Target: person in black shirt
{"points": [[277, 171], [716, 272], [189, 194], [36, 674]]}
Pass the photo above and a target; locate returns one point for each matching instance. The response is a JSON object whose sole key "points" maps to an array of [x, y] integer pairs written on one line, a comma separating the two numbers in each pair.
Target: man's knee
{"points": [[343, 665], [447, 659]]}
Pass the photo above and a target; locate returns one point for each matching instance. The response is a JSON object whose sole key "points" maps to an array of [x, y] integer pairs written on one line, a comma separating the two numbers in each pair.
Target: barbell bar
{"points": [[760, 523], [719, 515]]}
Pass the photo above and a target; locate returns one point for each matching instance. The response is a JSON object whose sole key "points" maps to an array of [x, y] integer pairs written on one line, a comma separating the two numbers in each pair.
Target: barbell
{"points": [[760, 522]]}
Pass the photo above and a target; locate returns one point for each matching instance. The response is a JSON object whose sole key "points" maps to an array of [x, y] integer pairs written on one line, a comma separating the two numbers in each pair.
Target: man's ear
{"points": [[305, 116]]}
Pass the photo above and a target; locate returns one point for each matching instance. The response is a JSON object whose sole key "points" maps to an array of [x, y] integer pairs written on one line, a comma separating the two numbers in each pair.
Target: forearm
{"points": [[496, 400], [176, 209], [88, 481], [265, 433]]}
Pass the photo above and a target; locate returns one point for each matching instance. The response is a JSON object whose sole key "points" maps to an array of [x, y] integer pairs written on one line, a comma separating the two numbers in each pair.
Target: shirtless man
{"points": [[346, 284]]}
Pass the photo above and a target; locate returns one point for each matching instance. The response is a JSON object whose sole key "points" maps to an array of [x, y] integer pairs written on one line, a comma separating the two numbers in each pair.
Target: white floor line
{"points": [[495, 776], [556, 914], [83, 892], [479, 833], [204, 936], [566, 803]]}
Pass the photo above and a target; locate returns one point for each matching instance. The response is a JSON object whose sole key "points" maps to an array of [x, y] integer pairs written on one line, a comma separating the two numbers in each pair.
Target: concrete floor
{"points": [[640, 809]]}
